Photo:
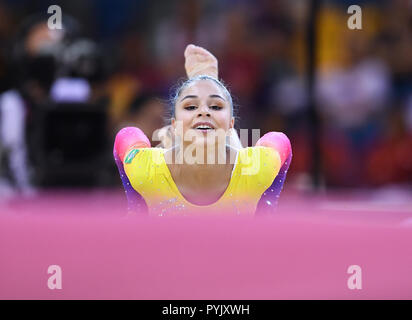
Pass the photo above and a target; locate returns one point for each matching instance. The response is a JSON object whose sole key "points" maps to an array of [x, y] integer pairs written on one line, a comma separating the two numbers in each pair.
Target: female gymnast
{"points": [[206, 171]]}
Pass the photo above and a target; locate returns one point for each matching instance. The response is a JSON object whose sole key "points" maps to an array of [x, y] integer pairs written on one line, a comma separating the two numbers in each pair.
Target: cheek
{"points": [[186, 120], [183, 120], [223, 119]]}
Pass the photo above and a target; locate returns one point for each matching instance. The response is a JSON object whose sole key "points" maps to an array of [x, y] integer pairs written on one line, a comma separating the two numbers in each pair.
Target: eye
{"points": [[190, 108], [216, 107]]}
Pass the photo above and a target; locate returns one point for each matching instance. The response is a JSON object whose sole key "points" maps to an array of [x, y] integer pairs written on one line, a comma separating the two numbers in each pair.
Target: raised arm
{"points": [[198, 61]]}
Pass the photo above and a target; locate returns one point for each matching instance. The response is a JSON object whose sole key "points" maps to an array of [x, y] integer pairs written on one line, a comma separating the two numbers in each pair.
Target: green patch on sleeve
{"points": [[131, 155]]}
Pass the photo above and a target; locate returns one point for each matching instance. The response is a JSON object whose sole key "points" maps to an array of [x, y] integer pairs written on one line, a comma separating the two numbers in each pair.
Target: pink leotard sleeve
{"points": [[278, 141], [127, 138]]}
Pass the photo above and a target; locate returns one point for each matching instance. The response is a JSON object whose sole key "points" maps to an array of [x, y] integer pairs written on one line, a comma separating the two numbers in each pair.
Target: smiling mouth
{"points": [[203, 127]]}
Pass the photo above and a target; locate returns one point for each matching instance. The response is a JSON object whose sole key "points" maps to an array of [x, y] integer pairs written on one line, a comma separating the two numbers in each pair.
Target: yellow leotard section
{"points": [[254, 171]]}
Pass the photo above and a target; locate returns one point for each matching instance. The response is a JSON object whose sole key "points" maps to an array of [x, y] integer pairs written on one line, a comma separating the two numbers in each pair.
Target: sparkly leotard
{"points": [[256, 181]]}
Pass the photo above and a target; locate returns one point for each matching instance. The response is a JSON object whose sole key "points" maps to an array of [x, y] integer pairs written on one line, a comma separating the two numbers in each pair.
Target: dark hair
{"points": [[182, 84]]}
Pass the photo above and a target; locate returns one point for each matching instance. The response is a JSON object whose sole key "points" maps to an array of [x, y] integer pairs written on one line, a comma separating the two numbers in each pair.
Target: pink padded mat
{"points": [[302, 252]]}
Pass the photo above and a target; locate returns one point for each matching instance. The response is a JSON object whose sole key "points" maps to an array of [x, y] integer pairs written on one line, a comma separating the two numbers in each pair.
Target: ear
{"points": [[173, 123], [232, 122]]}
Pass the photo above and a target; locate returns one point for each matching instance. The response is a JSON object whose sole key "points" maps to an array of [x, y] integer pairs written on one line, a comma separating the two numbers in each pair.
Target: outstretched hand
{"points": [[200, 61]]}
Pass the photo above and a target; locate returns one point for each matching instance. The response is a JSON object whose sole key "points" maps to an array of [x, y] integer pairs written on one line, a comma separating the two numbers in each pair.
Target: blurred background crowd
{"points": [[64, 95]]}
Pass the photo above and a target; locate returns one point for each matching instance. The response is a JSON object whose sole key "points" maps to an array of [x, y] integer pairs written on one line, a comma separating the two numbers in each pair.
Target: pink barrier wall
{"points": [[293, 255]]}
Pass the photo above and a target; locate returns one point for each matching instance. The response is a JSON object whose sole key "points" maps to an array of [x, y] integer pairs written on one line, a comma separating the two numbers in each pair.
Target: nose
{"points": [[203, 111]]}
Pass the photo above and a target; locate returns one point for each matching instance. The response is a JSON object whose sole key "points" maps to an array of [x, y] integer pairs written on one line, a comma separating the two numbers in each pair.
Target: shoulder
{"points": [[277, 141], [259, 160], [132, 135], [127, 139], [257, 152], [136, 154], [259, 165], [139, 163]]}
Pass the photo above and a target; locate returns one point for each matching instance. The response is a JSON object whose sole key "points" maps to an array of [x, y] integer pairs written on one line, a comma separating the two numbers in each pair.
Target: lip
{"points": [[204, 124]]}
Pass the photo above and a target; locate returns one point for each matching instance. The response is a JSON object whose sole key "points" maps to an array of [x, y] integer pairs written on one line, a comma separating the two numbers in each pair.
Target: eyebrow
{"points": [[211, 96]]}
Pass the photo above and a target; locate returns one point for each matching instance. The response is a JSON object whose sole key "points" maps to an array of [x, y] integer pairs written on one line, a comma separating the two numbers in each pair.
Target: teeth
{"points": [[203, 127]]}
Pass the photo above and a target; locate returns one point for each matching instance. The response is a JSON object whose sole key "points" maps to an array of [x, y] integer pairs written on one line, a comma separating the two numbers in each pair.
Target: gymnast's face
{"points": [[203, 110]]}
